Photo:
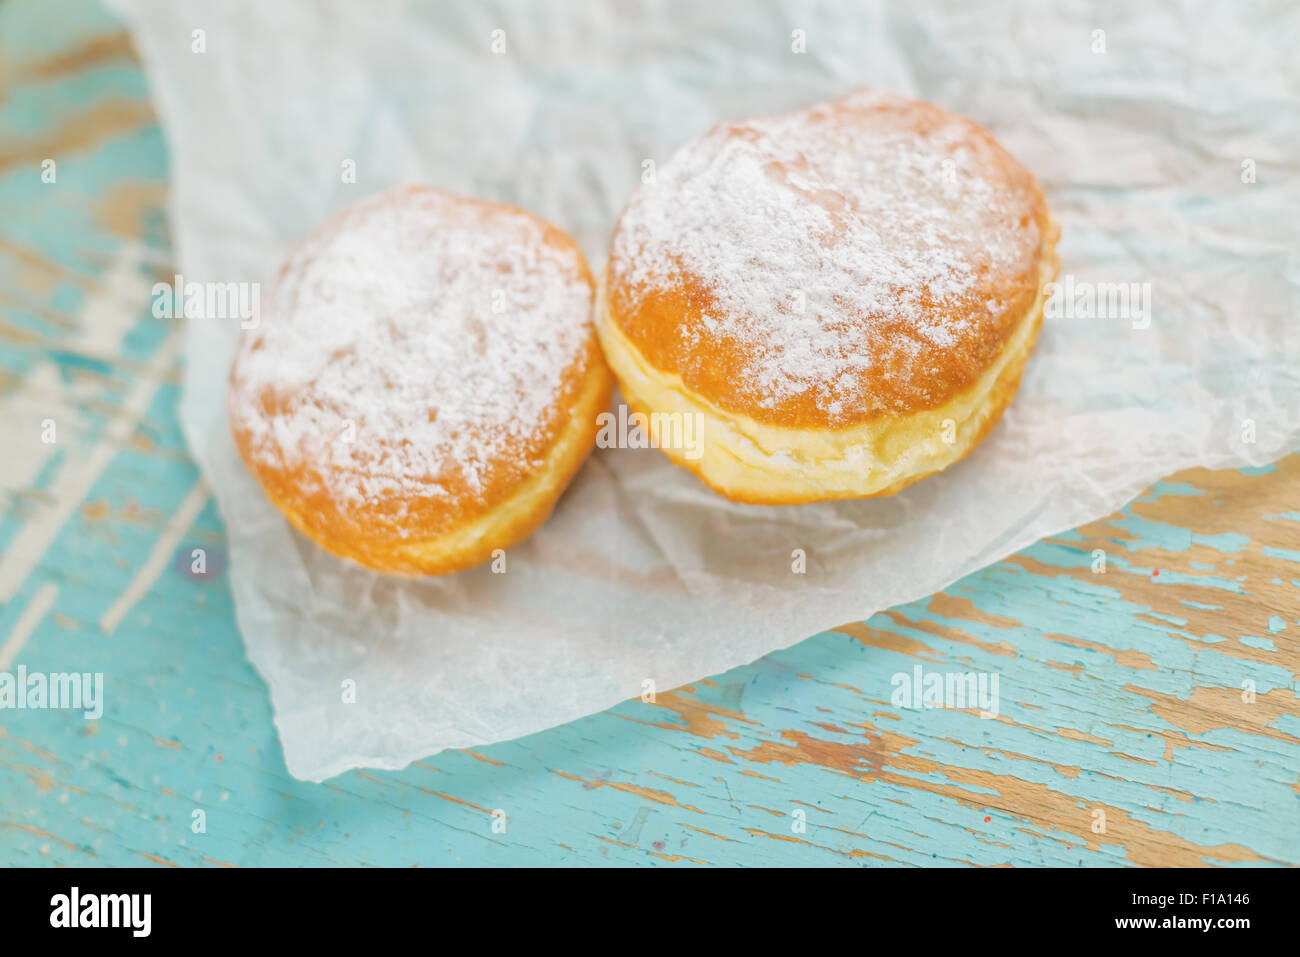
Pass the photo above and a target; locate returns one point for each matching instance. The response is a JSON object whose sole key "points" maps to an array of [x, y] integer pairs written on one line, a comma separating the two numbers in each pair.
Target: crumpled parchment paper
{"points": [[1145, 124]]}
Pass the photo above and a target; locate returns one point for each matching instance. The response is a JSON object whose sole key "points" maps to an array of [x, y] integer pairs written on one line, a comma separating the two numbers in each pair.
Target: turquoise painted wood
{"points": [[1148, 714]]}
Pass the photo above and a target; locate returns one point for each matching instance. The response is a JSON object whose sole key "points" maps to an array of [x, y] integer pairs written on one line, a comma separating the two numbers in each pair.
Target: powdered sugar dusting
{"points": [[409, 344], [839, 246]]}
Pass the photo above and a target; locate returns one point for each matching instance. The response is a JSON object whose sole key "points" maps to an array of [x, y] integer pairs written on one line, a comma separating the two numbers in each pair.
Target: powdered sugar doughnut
{"points": [[844, 297], [423, 382]]}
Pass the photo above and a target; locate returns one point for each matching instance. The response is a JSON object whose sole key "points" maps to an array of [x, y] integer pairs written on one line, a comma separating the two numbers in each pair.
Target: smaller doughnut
{"points": [[836, 302], [423, 381]]}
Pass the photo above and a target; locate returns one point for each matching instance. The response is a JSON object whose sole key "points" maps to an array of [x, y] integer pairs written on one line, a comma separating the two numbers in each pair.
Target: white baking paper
{"points": [[1166, 136]]}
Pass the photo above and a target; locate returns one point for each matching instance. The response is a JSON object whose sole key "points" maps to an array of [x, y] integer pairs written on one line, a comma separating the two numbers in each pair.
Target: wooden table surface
{"points": [[1148, 713]]}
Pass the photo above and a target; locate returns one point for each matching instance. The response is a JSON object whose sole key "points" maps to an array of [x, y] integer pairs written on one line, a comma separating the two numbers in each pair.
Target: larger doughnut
{"points": [[843, 298]]}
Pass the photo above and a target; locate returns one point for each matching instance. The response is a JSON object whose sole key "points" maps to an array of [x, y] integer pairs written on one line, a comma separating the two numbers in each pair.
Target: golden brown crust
{"points": [[454, 516], [673, 327], [941, 351], [462, 544], [990, 412]]}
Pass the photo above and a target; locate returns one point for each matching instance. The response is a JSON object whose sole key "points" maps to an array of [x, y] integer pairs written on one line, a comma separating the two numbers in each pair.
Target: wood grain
{"points": [[1158, 695]]}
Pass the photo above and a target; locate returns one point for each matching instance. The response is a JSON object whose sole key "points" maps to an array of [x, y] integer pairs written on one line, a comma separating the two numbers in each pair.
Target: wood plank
{"points": [[1147, 714]]}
